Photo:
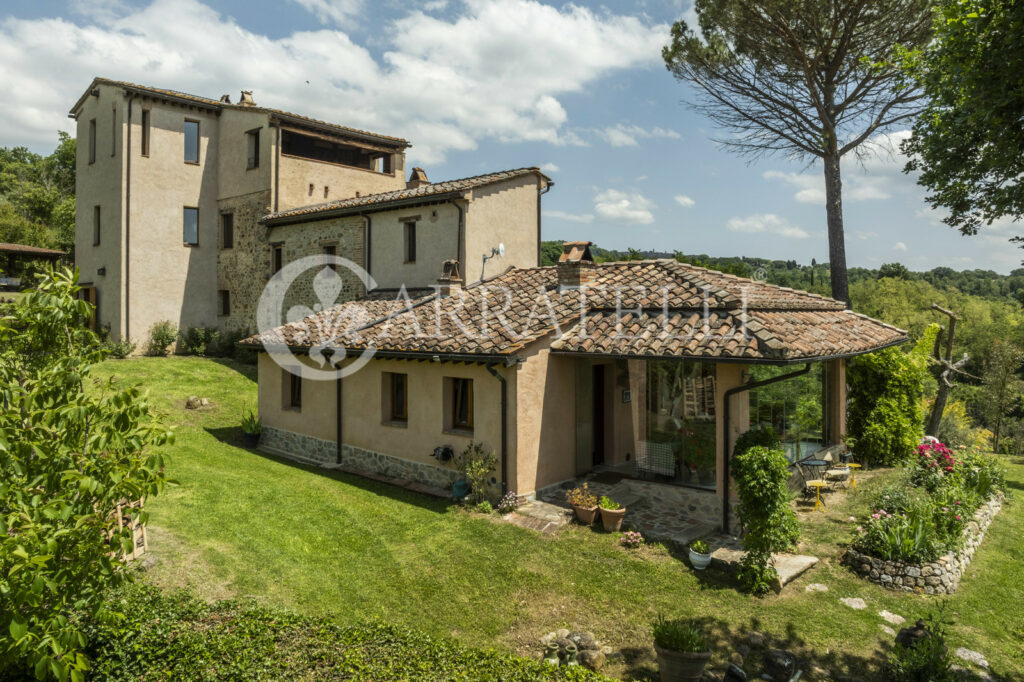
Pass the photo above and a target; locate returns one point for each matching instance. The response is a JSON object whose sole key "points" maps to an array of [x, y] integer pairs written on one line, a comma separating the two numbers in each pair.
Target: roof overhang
{"points": [[339, 212]]}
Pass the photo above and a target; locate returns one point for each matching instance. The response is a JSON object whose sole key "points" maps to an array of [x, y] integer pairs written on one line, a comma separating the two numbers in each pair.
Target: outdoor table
{"points": [[817, 485], [817, 466], [853, 473]]}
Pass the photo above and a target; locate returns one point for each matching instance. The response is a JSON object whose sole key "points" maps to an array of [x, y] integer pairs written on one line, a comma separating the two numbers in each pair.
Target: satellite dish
{"points": [[501, 250]]}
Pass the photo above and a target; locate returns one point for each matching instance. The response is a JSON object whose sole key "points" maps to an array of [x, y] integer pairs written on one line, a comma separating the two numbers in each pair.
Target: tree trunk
{"points": [[938, 407], [836, 238]]}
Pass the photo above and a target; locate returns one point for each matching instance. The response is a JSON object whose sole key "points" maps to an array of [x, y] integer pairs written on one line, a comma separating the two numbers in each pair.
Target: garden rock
{"points": [[756, 640], [779, 665], [561, 633], [971, 657], [736, 659], [887, 630], [816, 587], [743, 650], [892, 618], [734, 674], [587, 642], [855, 603], [590, 658], [563, 643], [195, 402]]}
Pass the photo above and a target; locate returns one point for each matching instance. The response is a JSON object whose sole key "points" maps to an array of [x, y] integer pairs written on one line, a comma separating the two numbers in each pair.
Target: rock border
{"points": [[941, 576]]}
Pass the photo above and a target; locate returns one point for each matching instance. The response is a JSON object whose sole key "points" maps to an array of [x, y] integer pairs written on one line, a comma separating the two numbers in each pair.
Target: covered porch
{"points": [[653, 433]]}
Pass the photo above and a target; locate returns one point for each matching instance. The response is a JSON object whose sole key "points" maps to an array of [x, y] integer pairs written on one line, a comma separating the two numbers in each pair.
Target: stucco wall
{"points": [[545, 420], [437, 239], [101, 184], [316, 418], [169, 280], [234, 176], [295, 175], [504, 212], [729, 375]]}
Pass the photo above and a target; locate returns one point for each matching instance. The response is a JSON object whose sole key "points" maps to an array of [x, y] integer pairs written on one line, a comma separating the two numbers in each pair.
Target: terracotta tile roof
{"points": [[634, 309], [217, 104], [26, 250], [431, 190]]}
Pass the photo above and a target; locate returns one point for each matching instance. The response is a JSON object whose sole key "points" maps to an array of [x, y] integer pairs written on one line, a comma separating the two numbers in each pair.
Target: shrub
{"points": [[484, 507], [199, 340], [761, 477], [886, 387], [477, 464], [765, 437], [926, 661], [679, 634], [180, 637], [956, 428], [118, 349], [608, 503], [581, 497], [700, 547], [508, 503], [161, 336], [899, 537], [68, 456], [252, 424], [631, 539]]}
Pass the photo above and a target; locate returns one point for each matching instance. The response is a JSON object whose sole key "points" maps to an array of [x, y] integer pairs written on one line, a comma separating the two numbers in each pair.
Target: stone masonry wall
{"points": [[243, 269], [941, 576], [320, 452]]}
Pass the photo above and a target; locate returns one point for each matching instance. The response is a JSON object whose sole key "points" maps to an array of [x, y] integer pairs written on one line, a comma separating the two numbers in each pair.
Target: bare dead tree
{"points": [[807, 79], [949, 368]]}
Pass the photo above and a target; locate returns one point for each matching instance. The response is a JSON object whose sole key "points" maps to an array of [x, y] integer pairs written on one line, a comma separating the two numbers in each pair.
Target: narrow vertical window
{"points": [[227, 230], [191, 141], [277, 260], [145, 132], [96, 225], [410, 242], [295, 391], [92, 141], [462, 404], [190, 226], [399, 397], [252, 141], [330, 251], [225, 301]]}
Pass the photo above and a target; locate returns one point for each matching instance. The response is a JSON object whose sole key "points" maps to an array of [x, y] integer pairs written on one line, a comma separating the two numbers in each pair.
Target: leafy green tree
{"points": [[895, 270], [1002, 387], [68, 456], [37, 196], [811, 80], [967, 143]]}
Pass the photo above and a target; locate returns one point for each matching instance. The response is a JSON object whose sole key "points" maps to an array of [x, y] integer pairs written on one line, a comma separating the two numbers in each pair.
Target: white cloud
{"points": [[497, 71], [865, 235], [435, 5], [550, 168], [899, 246], [585, 218], [629, 135], [624, 208], [684, 201], [332, 11], [768, 223]]}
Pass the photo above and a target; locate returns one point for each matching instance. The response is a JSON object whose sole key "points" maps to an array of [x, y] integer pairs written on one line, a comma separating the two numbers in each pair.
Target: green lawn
{"points": [[244, 524]]}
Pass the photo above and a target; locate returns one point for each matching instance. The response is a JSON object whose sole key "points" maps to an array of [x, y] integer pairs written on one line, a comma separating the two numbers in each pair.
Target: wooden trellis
{"points": [[125, 519]]}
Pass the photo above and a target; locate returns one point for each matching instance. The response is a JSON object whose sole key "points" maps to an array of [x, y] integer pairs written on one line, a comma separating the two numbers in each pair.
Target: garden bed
{"points": [[941, 576]]}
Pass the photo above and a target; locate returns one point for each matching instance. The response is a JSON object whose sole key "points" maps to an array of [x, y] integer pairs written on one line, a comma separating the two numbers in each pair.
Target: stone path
{"points": [[540, 516], [787, 566], [816, 587], [971, 657], [855, 603], [892, 618]]}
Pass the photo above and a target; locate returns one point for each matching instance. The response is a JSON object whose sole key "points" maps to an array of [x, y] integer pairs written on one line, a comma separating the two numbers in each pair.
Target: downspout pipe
{"points": [[460, 247], [128, 226], [367, 243], [725, 435], [338, 418], [504, 426]]}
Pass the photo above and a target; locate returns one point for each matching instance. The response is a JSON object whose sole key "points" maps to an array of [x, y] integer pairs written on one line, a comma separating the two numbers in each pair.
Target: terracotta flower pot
{"points": [[612, 519], [585, 515], [678, 666]]}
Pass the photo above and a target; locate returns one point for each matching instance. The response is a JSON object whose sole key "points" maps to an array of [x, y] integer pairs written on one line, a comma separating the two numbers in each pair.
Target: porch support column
{"points": [[729, 375], [836, 400]]}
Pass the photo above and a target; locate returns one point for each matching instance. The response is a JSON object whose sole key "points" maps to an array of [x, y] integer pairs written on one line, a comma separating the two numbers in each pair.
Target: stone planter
{"points": [[585, 515], [612, 519], [678, 666], [941, 576], [699, 561]]}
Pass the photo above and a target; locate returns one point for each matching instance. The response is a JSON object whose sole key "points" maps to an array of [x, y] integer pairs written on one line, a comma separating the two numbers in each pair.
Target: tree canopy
{"points": [[967, 143]]}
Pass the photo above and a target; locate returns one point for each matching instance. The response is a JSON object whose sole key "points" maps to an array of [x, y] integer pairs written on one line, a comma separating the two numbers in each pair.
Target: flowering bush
{"points": [[631, 539], [936, 467], [509, 503], [902, 536], [581, 497]]}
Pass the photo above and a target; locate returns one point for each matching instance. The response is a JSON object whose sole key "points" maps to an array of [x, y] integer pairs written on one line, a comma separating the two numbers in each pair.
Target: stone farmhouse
{"points": [[187, 206]]}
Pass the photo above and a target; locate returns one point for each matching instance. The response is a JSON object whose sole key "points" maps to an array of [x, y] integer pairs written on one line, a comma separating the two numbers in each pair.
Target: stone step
{"points": [[788, 566]]}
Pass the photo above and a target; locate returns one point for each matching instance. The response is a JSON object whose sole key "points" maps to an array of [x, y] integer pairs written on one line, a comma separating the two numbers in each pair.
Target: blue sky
{"points": [[481, 85]]}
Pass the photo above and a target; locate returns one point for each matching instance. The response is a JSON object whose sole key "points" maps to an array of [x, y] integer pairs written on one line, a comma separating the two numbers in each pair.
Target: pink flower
{"points": [[957, 517], [875, 515], [860, 529], [945, 509], [853, 518]]}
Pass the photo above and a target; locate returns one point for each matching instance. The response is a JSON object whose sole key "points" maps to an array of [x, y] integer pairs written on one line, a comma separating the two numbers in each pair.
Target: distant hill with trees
{"points": [[37, 196]]}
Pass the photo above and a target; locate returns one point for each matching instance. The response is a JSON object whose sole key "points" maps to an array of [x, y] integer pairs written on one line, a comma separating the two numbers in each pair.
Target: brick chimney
{"points": [[226, 99], [450, 282], [575, 266], [246, 99], [416, 178]]}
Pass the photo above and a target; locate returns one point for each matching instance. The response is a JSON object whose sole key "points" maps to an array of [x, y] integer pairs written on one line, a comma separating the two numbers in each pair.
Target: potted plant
{"points": [[700, 555], [252, 426], [611, 514], [584, 503], [682, 649]]}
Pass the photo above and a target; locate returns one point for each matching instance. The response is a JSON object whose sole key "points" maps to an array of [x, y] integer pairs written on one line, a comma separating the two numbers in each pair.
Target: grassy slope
{"points": [[244, 524]]}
